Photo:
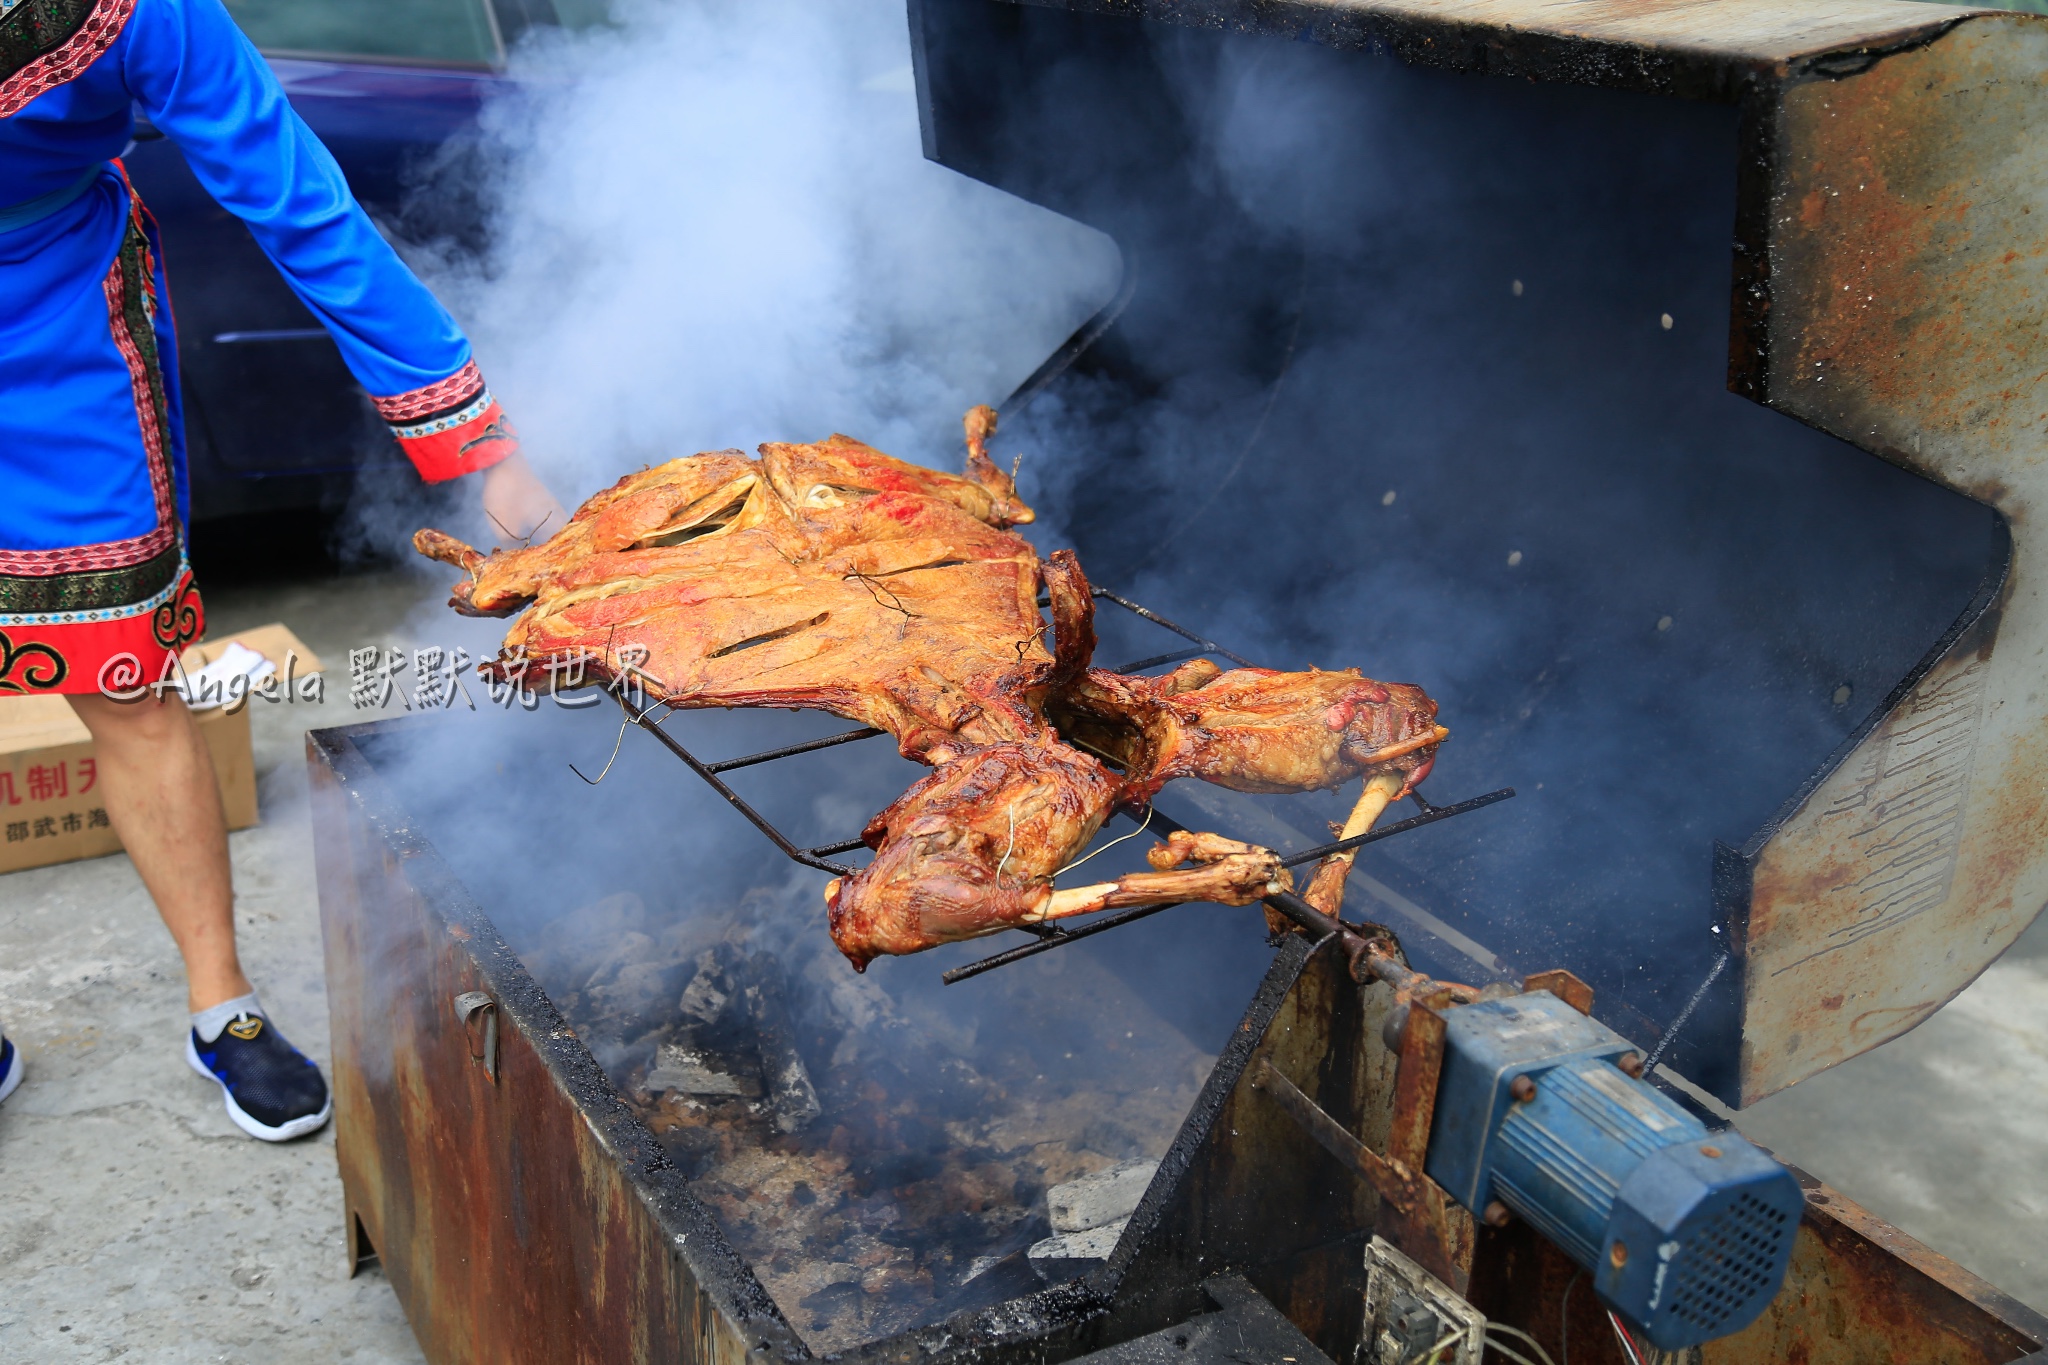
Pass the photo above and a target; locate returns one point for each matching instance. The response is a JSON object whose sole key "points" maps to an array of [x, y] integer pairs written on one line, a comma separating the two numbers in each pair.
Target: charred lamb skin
{"points": [[836, 578]]}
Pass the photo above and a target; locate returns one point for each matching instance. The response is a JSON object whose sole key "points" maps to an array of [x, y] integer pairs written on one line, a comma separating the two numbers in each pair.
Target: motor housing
{"points": [[1686, 1232]]}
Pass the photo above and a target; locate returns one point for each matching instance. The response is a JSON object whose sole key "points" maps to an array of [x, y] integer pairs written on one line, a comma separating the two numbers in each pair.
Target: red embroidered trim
{"points": [[153, 436], [479, 443], [113, 554], [79, 51], [77, 657], [454, 391], [119, 554]]}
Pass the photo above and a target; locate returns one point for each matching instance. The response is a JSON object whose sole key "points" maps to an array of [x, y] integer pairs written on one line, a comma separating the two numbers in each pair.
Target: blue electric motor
{"points": [[1687, 1233]]}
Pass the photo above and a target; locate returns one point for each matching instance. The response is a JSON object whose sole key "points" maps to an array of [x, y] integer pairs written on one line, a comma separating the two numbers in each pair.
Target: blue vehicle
{"points": [[274, 420]]}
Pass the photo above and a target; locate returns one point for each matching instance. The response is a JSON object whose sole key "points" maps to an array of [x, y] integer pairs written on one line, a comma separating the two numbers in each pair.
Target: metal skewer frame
{"points": [[1370, 954]]}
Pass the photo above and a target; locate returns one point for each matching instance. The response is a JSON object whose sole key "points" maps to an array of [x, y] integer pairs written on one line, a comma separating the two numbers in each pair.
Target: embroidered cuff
{"points": [[451, 428]]}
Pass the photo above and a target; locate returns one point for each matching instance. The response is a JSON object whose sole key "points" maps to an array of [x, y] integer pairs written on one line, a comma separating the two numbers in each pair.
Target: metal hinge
{"points": [[470, 1008]]}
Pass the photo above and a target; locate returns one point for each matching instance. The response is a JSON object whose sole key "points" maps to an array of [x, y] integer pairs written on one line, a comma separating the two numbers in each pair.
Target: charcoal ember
{"points": [[900, 1276], [701, 1134]]}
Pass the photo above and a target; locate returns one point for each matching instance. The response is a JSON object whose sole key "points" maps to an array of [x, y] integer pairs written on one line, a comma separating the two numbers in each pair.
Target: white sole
{"points": [[13, 1080], [263, 1132]]}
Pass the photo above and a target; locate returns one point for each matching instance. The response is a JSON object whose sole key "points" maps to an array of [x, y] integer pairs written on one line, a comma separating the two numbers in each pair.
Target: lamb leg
{"points": [[1225, 871], [1326, 892]]}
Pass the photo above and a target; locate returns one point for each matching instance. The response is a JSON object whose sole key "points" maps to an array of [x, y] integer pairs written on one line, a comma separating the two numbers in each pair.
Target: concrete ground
{"points": [[136, 1222]]}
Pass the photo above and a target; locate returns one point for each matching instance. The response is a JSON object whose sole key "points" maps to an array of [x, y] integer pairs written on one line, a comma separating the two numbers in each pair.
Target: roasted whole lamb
{"points": [[836, 578]]}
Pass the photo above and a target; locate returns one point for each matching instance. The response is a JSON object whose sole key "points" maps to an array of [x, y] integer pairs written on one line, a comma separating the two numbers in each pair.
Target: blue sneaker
{"points": [[273, 1091], [10, 1068]]}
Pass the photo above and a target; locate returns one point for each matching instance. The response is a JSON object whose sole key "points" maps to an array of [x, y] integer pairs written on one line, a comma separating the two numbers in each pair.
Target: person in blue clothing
{"points": [[96, 595]]}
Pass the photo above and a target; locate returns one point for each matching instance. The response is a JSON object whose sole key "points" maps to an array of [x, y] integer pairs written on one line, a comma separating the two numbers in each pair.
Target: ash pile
{"points": [[884, 1152]]}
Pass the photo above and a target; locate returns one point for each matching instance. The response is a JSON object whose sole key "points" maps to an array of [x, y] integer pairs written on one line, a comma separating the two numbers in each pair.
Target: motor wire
{"points": [[1534, 1344], [1512, 1354], [1628, 1342]]}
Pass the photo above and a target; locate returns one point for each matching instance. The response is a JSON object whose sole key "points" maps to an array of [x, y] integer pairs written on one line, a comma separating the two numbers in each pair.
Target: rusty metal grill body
{"points": [[1883, 170], [523, 1213]]}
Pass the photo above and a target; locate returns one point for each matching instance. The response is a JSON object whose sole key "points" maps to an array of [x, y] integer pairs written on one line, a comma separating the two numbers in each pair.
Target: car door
{"points": [[274, 418]]}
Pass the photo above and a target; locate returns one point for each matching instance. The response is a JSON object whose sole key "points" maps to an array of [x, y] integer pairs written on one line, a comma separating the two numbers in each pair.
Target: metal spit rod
{"points": [[704, 770], [1287, 903], [1049, 936]]}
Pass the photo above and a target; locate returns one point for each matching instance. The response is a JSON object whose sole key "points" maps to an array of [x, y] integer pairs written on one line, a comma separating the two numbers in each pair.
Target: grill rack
{"points": [[1047, 936]]}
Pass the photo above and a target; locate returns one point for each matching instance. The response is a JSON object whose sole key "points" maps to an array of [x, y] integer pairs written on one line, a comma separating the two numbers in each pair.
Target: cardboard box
{"points": [[51, 810]]}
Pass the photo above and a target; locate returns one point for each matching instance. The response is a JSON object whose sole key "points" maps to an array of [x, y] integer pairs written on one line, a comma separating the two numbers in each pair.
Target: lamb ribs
{"points": [[835, 578]]}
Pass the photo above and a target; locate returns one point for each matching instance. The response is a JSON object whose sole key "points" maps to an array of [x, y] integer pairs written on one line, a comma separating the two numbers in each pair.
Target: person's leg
{"points": [[165, 804]]}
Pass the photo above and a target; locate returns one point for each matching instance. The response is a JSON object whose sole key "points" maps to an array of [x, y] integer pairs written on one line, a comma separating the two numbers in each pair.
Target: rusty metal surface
{"points": [[1245, 1189], [1395, 1184], [529, 1216], [519, 1217], [1523, 1280], [1564, 986], [1898, 222], [1860, 1292], [1679, 47], [1435, 1231]]}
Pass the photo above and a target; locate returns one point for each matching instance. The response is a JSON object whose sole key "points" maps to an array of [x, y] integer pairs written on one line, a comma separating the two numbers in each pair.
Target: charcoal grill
{"points": [[1793, 765]]}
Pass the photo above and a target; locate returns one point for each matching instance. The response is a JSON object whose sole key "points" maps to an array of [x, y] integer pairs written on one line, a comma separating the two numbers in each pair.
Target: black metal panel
{"points": [[1243, 1327]]}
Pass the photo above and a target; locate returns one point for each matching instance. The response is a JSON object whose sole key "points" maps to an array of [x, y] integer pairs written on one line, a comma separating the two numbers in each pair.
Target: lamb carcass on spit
{"points": [[836, 578]]}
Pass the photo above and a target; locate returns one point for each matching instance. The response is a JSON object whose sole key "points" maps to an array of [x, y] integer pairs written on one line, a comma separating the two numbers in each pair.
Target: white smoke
{"points": [[713, 225]]}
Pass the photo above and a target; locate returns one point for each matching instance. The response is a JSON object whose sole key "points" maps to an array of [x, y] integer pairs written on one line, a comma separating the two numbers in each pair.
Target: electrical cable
{"points": [[1511, 1353], [1628, 1342], [1430, 1356], [1564, 1319], [1534, 1344]]}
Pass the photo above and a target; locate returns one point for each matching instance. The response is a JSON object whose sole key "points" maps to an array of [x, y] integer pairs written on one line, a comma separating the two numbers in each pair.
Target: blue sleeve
{"points": [[204, 84]]}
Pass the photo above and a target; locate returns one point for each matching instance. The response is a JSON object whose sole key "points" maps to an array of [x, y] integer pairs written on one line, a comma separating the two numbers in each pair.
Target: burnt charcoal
{"points": [[638, 993], [839, 1299], [790, 1094], [576, 947], [1068, 1254], [717, 981], [1114, 1138], [735, 998], [867, 1146], [1100, 1199], [990, 1280], [680, 1067]]}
